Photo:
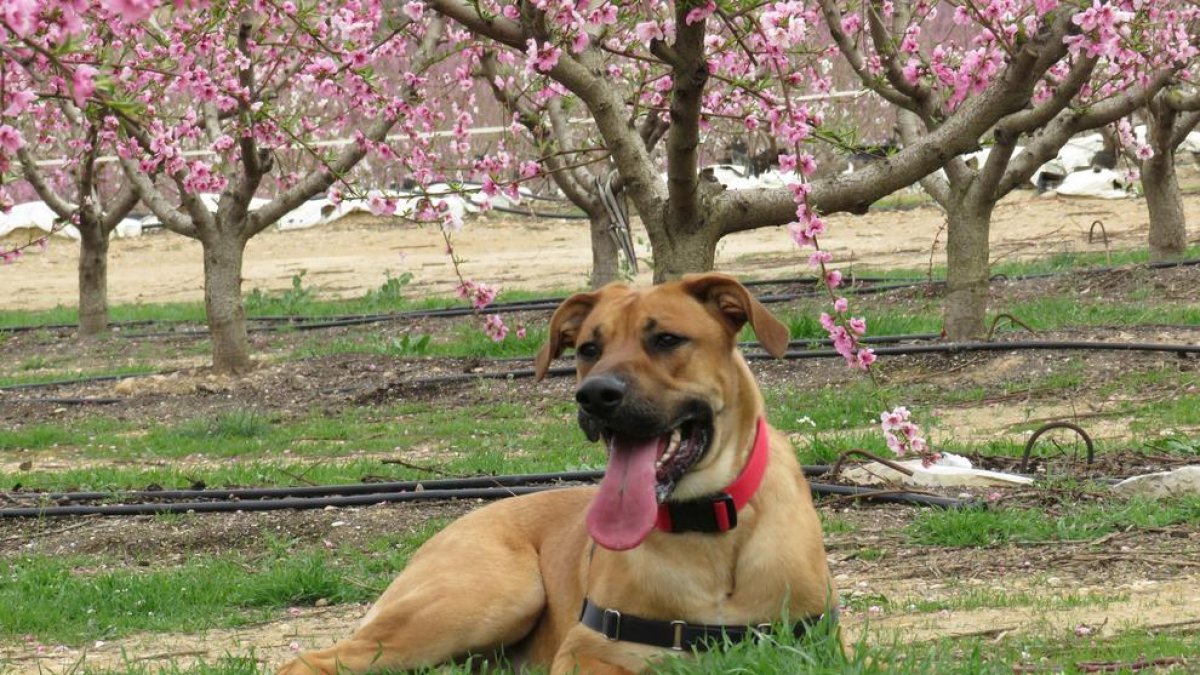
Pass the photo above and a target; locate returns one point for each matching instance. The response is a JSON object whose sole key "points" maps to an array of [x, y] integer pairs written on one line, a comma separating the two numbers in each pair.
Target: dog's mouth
{"points": [[642, 473], [676, 452]]}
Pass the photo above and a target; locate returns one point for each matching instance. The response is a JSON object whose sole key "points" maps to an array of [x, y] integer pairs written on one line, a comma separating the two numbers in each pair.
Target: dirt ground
{"points": [[352, 256], [1149, 576]]}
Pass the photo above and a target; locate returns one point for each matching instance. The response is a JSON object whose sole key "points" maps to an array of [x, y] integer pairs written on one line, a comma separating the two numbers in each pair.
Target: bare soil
{"points": [[1150, 575]]}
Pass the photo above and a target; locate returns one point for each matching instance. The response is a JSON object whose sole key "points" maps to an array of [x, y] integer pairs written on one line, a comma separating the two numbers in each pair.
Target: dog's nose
{"points": [[601, 395]]}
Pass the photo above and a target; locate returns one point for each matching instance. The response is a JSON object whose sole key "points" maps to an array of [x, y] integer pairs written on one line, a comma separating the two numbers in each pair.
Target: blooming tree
{"points": [[1170, 117], [98, 205], [1102, 62], [700, 68]]}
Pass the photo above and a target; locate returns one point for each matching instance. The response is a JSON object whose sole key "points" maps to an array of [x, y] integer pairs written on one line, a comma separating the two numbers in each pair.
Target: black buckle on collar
{"points": [[610, 625], [707, 514]]}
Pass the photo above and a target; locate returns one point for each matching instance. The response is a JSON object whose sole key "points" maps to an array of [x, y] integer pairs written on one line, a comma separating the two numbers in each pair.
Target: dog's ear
{"points": [[564, 328], [738, 306]]}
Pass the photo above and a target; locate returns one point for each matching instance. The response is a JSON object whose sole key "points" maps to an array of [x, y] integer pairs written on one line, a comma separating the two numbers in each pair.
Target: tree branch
{"points": [[255, 165], [552, 139], [919, 95], [739, 210], [1027, 120], [1045, 146], [319, 180], [857, 62], [689, 76], [157, 202], [1184, 125], [61, 207], [120, 207]]}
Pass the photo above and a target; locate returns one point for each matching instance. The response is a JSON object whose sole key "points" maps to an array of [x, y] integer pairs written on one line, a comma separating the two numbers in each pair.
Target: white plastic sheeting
{"points": [[1097, 183], [39, 216]]}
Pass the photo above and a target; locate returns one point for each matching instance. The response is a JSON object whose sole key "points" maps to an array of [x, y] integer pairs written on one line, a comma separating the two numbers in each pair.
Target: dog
{"points": [[702, 529]]}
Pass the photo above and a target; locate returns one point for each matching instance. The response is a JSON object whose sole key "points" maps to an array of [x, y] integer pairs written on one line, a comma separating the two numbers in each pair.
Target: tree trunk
{"points": [[605, 253], [969, 221], [223, 302], [679, 253], [93, 277], [1168, 224]]}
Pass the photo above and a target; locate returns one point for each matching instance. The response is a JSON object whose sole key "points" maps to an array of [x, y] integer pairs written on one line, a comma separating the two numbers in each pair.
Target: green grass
{"points": [[1055, 652], [249, 448], [77, 599], [1080, 521], [966, 599], [299, 300]]}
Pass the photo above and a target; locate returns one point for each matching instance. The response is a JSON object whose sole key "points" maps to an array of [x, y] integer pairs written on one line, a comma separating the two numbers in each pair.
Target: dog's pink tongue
{"points": [[625, 509]]}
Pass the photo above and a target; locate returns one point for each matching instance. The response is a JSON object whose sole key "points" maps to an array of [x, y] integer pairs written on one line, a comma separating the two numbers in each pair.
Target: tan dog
{"points": [[663, 383]]}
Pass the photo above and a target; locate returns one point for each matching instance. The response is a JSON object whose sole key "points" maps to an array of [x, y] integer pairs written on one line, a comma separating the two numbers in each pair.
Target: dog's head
{"points": [[662, 384]]}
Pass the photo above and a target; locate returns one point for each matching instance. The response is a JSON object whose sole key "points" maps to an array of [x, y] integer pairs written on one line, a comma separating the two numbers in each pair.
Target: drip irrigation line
{"points": [[73, 401], [805, 343], [438, 484], [63, 383], [793, 354], [873, 285], [867, 494]]}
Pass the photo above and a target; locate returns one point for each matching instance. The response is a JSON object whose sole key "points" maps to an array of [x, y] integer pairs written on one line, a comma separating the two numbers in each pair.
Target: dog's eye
{"points": [[665, 342], [588, 351]]}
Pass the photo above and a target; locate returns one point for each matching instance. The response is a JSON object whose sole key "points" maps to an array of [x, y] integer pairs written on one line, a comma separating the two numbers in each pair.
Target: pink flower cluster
{"points": [[904, 436], [843, 329], [479, 294]]}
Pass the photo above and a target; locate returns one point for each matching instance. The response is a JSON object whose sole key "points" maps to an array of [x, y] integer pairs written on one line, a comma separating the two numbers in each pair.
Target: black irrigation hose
{"points": [[941, 348], [441, 484], [874, 285], [438, 484], [867, 494], [63, 383]]}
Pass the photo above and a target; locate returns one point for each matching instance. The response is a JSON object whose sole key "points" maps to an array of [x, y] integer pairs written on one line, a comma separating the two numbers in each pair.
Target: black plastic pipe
{"points": [[941, 348], [868, 494], [331, 490]]}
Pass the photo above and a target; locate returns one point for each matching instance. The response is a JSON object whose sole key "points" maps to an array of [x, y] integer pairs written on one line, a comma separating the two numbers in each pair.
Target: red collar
{"points": [[718, 513]]}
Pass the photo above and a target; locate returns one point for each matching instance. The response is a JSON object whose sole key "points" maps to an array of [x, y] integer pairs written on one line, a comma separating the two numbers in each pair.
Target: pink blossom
{"points": [[648, 31], [833, 278], [479, 294], [380, 205], [20, 15], [1143, 151], [841, 305], [529, 169], [131, 10], [10, 140], [83, 84], [808, 164], [787, 162], [18, 102], [819, 258], [865, 357], [414, 10], [700, 13], [494, 326], [858, 325], [542, 59]]}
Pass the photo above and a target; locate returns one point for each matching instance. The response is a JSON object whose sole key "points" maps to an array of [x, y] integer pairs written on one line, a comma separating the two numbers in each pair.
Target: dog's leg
{"points": [[474, 587]]}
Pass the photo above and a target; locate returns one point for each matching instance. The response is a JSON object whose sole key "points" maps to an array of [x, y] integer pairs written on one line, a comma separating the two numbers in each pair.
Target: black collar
{"points": [[677, 635]]}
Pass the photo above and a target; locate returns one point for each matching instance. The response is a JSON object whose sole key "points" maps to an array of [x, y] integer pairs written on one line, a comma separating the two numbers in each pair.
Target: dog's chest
{"points": [[691, 581]]}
